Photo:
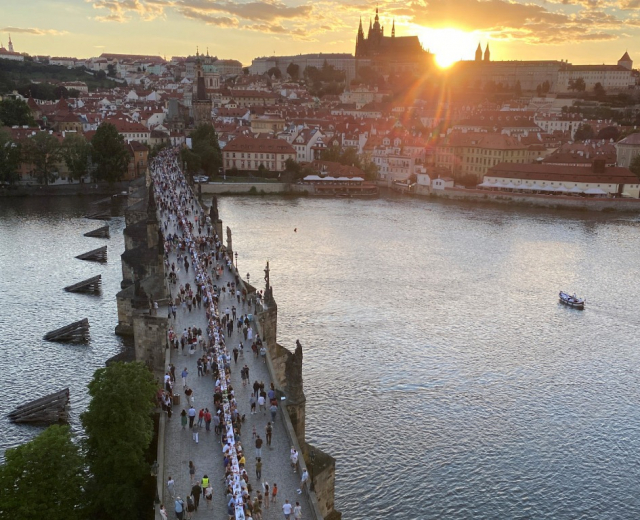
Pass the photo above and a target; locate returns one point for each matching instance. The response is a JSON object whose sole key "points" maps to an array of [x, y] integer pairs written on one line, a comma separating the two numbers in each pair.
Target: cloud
{"points": [[118, 9], [34, 30], [255, 11], [220, 21]]}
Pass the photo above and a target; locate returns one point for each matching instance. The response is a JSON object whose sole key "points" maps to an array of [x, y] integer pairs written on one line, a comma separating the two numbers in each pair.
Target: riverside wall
{"points": [[237, 188], [144, 281], [540, 201]]}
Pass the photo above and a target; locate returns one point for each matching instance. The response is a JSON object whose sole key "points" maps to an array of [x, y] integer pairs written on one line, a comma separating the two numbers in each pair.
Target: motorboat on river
{"points": [[572, 300]]}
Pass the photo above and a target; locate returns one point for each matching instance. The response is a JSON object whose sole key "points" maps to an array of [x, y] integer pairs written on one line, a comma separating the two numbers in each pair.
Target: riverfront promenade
{"points": [[206, 455]]}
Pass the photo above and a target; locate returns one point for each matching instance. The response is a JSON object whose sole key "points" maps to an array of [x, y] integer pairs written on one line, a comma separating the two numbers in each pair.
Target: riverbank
{"points": [[56, 190], [558, 202]]}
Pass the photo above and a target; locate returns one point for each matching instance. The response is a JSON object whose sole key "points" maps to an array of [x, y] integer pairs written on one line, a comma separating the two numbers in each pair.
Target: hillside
{"points": [[14, 74]]}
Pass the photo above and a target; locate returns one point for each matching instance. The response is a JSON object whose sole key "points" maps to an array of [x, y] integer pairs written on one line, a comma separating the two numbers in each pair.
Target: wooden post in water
{"points": [[95, 255], [101, 232], [88, 285], [74, 332], [49, 409]]}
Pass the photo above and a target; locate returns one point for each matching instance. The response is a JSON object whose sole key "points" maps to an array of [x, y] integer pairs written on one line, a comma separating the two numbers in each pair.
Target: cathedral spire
{"points": [[487, 53], [393, 29], [479, 52], [10, 44]]}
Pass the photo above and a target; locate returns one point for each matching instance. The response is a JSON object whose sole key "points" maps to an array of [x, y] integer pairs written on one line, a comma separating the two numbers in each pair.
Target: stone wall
{"points": [[244, 187], [150, 336], [542, 201]]}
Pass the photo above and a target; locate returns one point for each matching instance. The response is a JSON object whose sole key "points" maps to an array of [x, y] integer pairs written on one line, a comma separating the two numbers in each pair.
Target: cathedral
{"points": [[395, 52]]}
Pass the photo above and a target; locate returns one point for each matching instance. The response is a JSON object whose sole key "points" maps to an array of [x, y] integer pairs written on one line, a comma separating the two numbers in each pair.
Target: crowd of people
{"points": [[190, 236]]}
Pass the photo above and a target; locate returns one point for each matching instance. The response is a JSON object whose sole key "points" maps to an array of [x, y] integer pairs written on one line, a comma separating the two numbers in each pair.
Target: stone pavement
{"points": [[180, 448]]}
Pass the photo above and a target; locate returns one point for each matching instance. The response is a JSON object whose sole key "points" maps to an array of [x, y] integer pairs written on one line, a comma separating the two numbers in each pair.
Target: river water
{"points": [[39, 239], [439, 368]]}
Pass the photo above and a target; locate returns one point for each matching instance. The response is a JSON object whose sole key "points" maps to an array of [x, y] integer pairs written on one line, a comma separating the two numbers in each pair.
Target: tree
{"points": [[76, 152], [583, 133], [518, 89], [634, 166], [10, 155], [293, 70], [109, 154], [44, 152], [275, 72], [577, 84], [101, 75], [598, 89], [111, 70], [204, 143], [15, 112], [546, 86], [44, 477], [119, 430]]}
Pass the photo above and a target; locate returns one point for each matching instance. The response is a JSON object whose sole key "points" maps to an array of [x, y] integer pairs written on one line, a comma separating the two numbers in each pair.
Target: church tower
{"points": [[625, 61], [487, 54], [10, 45], [393, 29], [200, 103], [360, 40], [479, 53]]}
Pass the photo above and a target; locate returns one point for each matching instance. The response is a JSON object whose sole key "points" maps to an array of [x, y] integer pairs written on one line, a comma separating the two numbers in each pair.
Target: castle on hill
{"points": [[392, 53]]}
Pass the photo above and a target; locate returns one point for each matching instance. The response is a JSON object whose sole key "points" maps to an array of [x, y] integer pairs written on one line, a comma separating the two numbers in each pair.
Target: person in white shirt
{"points": [[287, 509], [297, 511]]}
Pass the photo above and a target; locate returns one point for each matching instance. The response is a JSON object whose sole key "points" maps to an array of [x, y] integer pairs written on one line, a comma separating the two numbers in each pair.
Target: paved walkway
{"points": [[180, 448]]}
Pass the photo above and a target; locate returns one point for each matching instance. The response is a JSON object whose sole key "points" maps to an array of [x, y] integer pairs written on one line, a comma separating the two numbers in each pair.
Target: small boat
{"points": [[572, 300]]}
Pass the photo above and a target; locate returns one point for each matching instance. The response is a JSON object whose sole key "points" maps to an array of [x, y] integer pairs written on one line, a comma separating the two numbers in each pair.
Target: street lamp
{"points": [[236, 260], [313, 460]]}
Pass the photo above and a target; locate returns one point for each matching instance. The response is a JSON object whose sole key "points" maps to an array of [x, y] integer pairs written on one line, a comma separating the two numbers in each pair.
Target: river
{"points": [[439, 368]]}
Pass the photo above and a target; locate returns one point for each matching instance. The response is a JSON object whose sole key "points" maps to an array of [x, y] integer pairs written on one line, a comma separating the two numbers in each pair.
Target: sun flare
{"points": [[449, 45]]}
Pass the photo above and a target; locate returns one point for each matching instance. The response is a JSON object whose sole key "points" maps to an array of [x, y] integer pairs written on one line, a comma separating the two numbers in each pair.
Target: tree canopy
{"points": [[635, 166], [43, 151], [204, 145], [584, 132], [15, 112], [44, 478], [349, 157], [109, 154], [76, 152], [10, 155], [119, 430]]}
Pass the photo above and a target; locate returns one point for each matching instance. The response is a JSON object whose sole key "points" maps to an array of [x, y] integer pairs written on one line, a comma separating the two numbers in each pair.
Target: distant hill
{"points": [[15, 74]]}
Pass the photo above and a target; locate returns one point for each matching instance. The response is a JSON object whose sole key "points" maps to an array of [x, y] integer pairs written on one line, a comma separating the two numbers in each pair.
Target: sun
{"points": [[449, 45]]}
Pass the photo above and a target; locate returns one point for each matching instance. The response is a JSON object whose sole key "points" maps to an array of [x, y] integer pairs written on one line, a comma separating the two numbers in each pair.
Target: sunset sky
{"points": [[581, 31]]}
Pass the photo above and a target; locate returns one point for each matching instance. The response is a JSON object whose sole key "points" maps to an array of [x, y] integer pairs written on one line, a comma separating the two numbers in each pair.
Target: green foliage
{"points": [[15, 112], [111, 70], [204, 144], [349, 157], [44, 478], [14, 73], [293, 70], [635, 166], [119, 430], [45, 91], [583, 133], [599, 91], [517, 90], [109, 154], [76, 152], [577, 85], [326, 80], [44, 152], [275, 72], [10, 156]]}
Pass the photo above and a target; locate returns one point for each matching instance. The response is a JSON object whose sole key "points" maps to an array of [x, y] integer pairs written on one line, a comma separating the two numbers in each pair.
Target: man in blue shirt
{"points": [[179, 508]]}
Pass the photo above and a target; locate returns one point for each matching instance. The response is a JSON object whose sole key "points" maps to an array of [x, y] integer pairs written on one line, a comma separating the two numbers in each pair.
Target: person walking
{"points": [[274, 493], [200, 417], [192, 471], [287, 509], [179, 507], [208, 495], [267, 494], [262, 404], [297, 511], [294, 459], [192, 416], [196, 491], [163, 512], [274, 410], [258, 468], [183, 419], [258, 447], [304, 478], [207, 419], [171, 487], [269, 431]]}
